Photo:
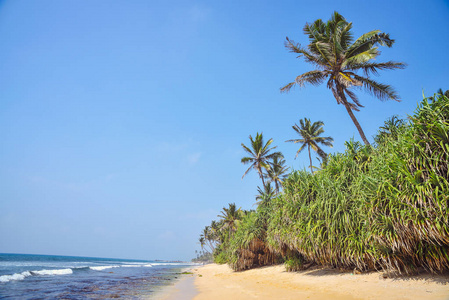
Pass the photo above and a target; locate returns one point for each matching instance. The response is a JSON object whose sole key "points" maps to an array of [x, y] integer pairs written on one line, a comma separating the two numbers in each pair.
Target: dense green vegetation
{"points": [[374, 207], [371, 207], [203, 257]]}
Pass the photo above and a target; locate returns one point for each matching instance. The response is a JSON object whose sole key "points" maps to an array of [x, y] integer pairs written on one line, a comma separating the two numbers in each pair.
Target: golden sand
{"points": [[220, 282]]}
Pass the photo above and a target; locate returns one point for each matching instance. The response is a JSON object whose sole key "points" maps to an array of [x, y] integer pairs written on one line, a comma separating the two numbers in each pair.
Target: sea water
{"points": [[24, 276]]}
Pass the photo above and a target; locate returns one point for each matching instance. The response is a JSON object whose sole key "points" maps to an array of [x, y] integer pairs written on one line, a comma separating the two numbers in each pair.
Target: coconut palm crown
{"points": [[310, 137], [278, 172], [231, 217], [260, 155], [338, 59], [265, 195]]}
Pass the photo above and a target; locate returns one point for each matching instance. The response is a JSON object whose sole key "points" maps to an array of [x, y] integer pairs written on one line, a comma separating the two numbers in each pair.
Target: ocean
{"points": [[24, 276]]}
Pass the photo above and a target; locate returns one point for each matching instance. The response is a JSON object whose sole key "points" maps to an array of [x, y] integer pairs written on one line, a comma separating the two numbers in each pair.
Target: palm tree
{"points": [[230, 217], [206, 236], [202, 241], [310, 137], [265, 195], [338, 58], [259, 155], [277, 172]]}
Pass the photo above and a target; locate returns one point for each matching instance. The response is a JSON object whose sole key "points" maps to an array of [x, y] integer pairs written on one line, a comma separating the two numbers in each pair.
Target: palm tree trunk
{"points": [[356, 123], [351, 114], [310, 157]]}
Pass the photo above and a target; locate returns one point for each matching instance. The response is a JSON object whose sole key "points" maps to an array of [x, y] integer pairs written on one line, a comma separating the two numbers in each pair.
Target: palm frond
{"points": [[373, 68], [360, 58], [315, 77], [247, 149], [309, 57], [381, 91], [246, 160], [369, 40], [244, 174], [303, 146], [354, 98]]}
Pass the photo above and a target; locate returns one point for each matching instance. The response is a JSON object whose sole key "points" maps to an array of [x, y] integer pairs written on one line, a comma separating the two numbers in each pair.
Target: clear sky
{"points": [[121, 121]]}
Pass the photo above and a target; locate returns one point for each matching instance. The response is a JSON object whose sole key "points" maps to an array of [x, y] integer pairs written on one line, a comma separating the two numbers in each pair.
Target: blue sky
{"points": [[122, 120]]}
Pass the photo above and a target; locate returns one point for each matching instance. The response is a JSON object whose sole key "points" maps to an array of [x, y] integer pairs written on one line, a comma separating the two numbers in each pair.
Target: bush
{"points": [[373, 207], [293, 264]]}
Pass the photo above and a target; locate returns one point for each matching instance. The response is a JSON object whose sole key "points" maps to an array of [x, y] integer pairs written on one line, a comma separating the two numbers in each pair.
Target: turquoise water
{"points": [[24, 276]]}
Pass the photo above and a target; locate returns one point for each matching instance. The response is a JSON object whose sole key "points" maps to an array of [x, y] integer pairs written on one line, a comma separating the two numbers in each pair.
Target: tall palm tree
{"points": [[338, 58], [206, 237], [277, 172], [260, 155], [202, 241], [231, 217], [310, 137]]}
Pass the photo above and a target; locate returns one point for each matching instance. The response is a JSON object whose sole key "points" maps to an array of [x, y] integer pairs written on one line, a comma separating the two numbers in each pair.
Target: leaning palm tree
{"points": [[338, 58], [259, 155], [277, 172], [310, 137], [202, 241], [206, 236]]}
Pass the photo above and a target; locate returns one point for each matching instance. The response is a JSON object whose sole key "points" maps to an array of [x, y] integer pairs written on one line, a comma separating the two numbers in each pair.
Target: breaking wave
{"points": [[23, 275], [101, 268]]}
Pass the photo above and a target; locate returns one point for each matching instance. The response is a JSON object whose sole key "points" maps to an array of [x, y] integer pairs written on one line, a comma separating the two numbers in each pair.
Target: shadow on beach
{"points": [[320, 271]]}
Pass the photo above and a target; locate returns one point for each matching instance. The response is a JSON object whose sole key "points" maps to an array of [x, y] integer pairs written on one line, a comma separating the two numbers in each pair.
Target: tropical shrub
{"points": [[247, 247], [410, 209], [295, 263], [373, 207]]}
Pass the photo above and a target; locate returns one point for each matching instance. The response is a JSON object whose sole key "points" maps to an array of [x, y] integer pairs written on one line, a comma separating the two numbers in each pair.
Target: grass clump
{"points": [[293, 264]]}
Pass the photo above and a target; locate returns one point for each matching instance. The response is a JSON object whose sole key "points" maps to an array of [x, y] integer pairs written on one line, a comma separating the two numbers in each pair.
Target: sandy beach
{"points": [[220, 282]]}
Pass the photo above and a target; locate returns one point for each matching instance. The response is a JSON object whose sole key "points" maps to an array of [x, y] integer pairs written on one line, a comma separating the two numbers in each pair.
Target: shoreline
{"points": [[273, 282], [182, 289]]}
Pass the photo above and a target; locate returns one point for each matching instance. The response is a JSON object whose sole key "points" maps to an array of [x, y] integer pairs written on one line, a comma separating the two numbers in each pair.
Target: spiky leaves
{"points": [[230, 217], [374, 207], [338, 59], [278, 171], [310, 138], [260, 155], [265, 195]]}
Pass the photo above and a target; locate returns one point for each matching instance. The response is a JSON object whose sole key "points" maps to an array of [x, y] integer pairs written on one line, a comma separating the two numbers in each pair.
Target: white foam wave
{"points": [[53, 272], [101, 268], [21, 276], [171, 264], [132, 266]]}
